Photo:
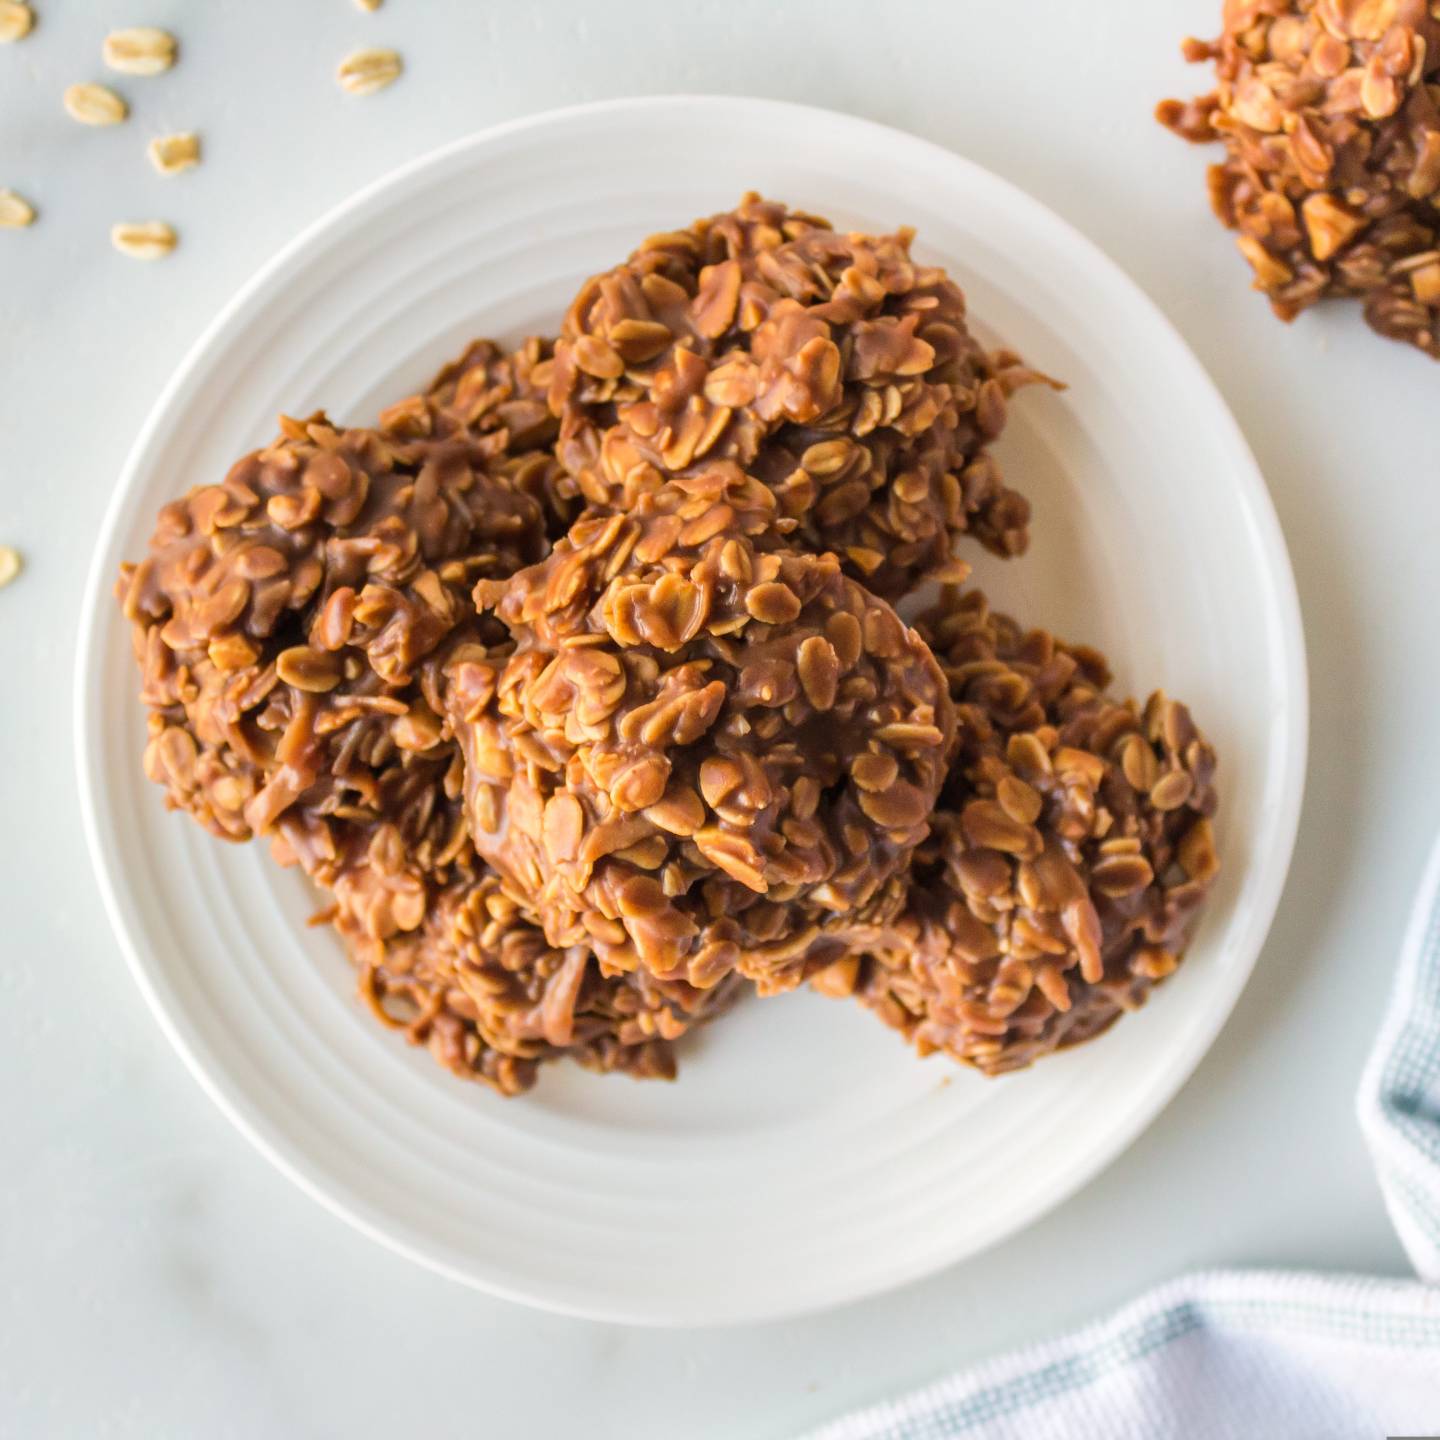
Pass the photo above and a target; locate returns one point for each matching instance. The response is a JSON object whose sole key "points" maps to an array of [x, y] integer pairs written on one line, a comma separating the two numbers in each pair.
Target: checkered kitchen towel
{"points": [[1242, 1355]]}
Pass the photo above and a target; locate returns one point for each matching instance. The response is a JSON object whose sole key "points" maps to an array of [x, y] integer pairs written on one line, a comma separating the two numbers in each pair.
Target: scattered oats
{"points": [[16, 212], [170, 154], [9, 564], [142, 50], [95, 105], [147, 240], [16, 20], [367, 71]]}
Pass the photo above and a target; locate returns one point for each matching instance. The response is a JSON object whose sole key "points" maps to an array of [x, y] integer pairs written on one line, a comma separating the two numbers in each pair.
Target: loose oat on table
{"points": [[143, 240], [10, 564], [1328, 113], [1068, 857], [708, 752], [16, 21], [368, 5], [140, 50], [16, 212], [835, 366], [366, 71], [170, 154], [95, 105]]}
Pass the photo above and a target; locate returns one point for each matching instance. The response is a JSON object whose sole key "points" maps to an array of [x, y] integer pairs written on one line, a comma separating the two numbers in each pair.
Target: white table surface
{"points": [[157, 1278]]}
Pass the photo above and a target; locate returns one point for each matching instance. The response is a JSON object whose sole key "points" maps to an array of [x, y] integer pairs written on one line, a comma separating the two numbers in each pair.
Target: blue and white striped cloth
{"points": [[1239, 1355]]}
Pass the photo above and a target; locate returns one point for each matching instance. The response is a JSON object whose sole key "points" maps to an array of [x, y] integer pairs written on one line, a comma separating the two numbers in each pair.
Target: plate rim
{"points": [[95, 612]]}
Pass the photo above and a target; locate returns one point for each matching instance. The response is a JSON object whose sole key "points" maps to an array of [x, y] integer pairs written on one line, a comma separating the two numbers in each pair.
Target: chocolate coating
{"points": [[1070, 853], [709, 752], [833, 366]]}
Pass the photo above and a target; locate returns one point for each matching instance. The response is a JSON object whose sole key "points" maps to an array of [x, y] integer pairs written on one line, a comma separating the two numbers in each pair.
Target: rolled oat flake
{"points": [[16, 211], [170, 154], [9, 564], [141, 50], [365, 71], [16, 21], [95, 105], [147, 240]]}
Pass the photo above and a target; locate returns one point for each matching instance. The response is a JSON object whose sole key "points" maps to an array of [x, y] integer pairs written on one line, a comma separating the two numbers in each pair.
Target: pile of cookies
{"points": [[578, 681]]}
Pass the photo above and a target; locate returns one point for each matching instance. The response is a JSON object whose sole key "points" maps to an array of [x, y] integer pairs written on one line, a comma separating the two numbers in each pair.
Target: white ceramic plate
{"points": [[805, 1157]]}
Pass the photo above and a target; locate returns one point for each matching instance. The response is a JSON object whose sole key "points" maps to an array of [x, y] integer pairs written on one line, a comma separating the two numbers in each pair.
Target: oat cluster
{"points": [[290, 622], [578, 682], [293, 622], [709, 752], [832, 366], [1328, 113], [1068, 856], [474, 978]]}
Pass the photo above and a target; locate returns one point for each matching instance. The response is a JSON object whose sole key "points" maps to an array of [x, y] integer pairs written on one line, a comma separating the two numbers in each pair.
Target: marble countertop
{"points": [[157, 1278]]}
